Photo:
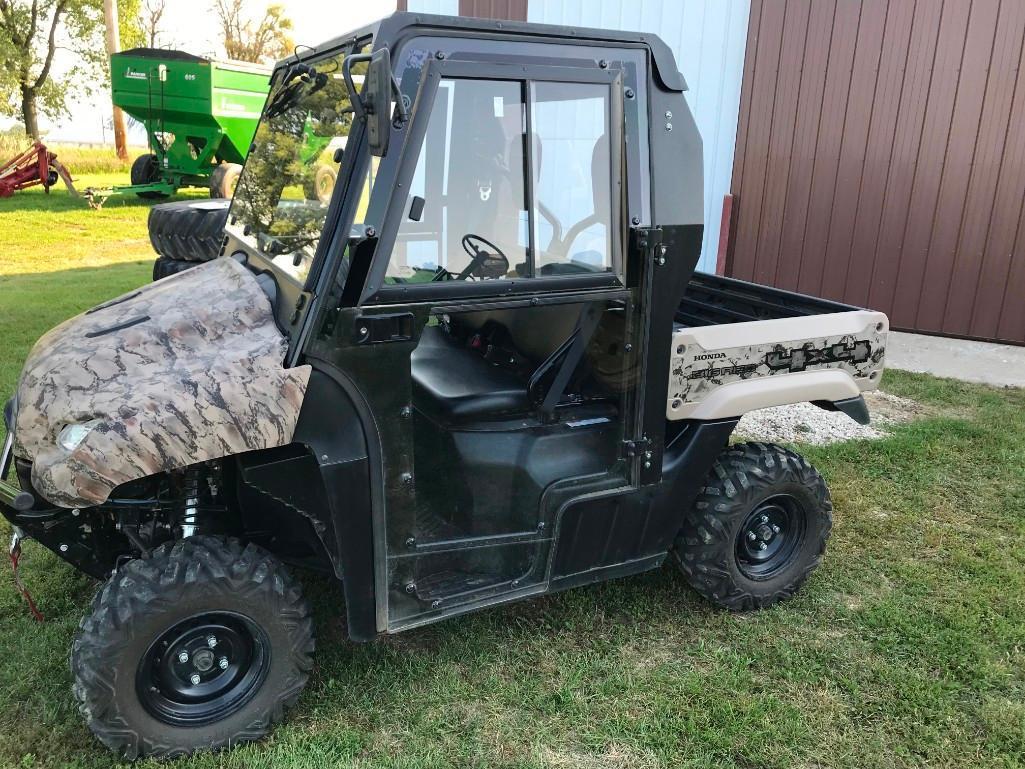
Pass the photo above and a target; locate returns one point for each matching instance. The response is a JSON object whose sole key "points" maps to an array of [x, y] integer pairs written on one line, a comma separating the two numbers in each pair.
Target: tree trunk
{"points": [[113, 46], [120, 140], [28, 112]]}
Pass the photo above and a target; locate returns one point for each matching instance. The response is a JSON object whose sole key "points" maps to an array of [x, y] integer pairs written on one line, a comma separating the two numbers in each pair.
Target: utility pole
{"points": [[113, 46]]}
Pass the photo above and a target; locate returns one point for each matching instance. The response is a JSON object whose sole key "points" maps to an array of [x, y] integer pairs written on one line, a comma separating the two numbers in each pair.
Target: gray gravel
{"points": [[805, 423]]}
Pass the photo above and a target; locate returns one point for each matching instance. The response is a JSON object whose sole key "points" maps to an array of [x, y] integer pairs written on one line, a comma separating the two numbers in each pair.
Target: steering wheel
{"points": [[483, 264]]}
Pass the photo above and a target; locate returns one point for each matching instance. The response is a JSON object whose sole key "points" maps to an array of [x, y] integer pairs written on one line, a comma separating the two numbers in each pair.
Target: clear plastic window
{"points": [[572, 197], [470, 182], [281, 202], [466, 214]]}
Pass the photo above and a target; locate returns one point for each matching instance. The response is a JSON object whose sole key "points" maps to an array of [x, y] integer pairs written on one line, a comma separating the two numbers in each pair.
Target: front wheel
{"points": [[758, 528], [200, 645]]}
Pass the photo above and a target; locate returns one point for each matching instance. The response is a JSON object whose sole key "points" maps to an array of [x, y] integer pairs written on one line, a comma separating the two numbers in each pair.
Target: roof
{"points": [[400, 25]]}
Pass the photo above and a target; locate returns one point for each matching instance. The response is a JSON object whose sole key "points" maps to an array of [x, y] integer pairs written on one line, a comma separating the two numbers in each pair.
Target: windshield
{"points": [[282, 197]]}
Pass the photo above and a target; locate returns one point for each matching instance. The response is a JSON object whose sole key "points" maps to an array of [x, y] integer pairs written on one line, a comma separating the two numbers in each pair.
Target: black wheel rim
{"points": [[203, 669], [771, 537]]}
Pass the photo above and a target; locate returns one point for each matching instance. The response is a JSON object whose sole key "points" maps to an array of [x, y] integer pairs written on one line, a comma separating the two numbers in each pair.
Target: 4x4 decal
{"points": [[799, 358]]}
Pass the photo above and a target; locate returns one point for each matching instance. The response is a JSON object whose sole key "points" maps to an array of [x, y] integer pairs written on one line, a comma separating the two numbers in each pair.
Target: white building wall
{"points": [[443, 7], [709, 38]]}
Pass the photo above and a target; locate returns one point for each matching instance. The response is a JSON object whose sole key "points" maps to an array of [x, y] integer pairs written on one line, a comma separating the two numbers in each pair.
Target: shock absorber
{"points": [[190, 495]]}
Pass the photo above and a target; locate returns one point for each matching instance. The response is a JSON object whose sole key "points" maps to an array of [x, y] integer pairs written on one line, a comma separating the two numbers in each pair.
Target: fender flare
{"points": [[335, 428], [832, 389]]}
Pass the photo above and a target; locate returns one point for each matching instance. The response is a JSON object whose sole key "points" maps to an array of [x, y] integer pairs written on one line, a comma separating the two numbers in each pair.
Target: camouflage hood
{"points": [[181, 371]]}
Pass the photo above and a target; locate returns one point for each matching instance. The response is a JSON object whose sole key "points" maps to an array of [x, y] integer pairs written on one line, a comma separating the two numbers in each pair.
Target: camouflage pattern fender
{"points": [[181, 371]]}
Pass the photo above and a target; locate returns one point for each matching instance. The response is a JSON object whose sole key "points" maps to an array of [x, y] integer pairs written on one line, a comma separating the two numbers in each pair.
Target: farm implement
{"points": [[36, 165]]}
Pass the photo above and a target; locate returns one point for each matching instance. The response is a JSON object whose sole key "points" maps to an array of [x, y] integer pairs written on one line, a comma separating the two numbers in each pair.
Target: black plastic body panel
{"points": [[855, 408], [670, 254], [391, 30], [332, 426], [604, 536]]}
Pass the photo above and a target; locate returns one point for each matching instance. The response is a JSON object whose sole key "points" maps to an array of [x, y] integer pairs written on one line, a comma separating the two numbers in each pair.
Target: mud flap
{"points": [[855, 408]]}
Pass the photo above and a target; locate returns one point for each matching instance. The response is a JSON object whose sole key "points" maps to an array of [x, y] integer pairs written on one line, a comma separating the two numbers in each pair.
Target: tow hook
{"points": [[15, 553]]}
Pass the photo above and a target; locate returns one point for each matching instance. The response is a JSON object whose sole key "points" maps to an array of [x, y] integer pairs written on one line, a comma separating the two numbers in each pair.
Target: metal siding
{"points": [[708, 38], [514, 10], [879, 163]]}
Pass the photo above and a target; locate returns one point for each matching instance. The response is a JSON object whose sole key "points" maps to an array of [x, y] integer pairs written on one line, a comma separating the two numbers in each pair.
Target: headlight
{"points": [[72, 435]]}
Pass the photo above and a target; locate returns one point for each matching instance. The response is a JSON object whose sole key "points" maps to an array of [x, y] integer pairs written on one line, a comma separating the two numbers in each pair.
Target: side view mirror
{"points": [[379, 105], [374, 101]]}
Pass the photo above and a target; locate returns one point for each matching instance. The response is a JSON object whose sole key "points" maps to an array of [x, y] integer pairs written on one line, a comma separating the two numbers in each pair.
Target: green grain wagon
{"points": [[200, 116]]}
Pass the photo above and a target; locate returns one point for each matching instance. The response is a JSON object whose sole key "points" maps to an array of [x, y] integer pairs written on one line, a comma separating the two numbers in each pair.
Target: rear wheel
{"points": [[757, 529], [224, 179], [200, 645], [146, 170]]}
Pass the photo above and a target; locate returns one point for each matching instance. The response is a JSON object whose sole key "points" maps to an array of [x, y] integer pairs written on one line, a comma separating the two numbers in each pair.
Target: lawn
{"points": [[906, 649]]}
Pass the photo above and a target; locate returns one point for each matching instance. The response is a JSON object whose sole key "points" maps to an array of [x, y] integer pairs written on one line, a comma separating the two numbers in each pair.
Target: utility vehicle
{"points": [[486, 371]]}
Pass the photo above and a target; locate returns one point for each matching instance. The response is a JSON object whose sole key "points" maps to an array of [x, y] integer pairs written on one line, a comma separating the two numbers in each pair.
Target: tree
{"points": [[31, 31], [247, 40], [130, 24], [151, 15]]}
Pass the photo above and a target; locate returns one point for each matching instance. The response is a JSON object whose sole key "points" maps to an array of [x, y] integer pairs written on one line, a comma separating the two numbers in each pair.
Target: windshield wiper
{"points": [[300, 80]]}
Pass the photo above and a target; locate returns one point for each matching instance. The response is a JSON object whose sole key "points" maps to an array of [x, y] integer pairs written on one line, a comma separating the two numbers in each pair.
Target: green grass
{"points": [[906, 649]]}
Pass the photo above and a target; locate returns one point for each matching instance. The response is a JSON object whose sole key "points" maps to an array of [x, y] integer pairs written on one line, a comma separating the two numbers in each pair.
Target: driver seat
{"points": [[453, 383]]}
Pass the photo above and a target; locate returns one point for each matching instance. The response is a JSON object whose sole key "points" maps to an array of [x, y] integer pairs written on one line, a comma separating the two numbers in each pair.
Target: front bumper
{"points": [[13, 500], [67, 533]]}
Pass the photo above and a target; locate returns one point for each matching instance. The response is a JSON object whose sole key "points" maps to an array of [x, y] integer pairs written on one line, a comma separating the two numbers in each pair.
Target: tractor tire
{"points": [[146, 170], [320, 184], [164, 266], [758, 528], [189, 231], [223, 180], [201, 644]]}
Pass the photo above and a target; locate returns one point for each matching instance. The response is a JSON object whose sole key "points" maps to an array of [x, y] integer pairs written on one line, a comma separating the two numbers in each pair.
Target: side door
{"points": [[523, 163], [504, 388]]}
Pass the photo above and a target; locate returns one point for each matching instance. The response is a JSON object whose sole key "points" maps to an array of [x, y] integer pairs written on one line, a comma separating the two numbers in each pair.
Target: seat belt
{"points": [[586, 324]]}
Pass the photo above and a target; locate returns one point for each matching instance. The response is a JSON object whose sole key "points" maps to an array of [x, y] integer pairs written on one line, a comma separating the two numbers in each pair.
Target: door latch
{"points": [[636, 448], [378, 329]]}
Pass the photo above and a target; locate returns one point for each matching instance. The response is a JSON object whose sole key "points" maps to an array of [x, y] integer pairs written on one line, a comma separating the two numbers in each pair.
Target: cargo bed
{"points": [[739, 346], [713, 300]]}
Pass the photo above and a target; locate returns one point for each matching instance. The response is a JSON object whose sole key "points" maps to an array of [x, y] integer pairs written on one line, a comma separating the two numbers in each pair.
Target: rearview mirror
{"points": [[373, 102]]}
